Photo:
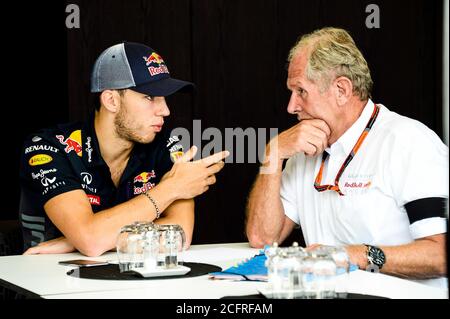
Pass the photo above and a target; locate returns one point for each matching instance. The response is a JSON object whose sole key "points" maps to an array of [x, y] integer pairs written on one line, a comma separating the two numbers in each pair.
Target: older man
{"points": [[357, 175]]}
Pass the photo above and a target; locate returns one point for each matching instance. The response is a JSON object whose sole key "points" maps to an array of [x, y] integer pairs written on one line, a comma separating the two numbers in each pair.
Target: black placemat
{"points": [[349, 296], [112, 272]]}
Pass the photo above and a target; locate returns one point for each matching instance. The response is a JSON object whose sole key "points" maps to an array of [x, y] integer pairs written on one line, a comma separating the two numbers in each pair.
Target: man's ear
{"points": [[110, 99], [344, 90]]}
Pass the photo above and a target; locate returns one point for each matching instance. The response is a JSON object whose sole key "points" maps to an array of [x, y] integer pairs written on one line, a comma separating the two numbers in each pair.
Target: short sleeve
{"points": [[45, 170], [288, 191], [417, 170]]}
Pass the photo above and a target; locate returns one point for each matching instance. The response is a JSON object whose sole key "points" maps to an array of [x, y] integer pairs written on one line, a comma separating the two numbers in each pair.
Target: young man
{"points": [[82, 182], [357, 175]]}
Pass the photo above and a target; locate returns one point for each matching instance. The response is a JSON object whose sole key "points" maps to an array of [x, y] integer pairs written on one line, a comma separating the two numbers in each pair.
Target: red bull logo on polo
{"points": [[144, 177], [72, 143], [142, 182], [155, 58]]}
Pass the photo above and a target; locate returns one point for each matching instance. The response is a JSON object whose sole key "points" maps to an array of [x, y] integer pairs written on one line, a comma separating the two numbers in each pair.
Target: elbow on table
{"points": [[90, 247], [257, 241], [91, 252]]}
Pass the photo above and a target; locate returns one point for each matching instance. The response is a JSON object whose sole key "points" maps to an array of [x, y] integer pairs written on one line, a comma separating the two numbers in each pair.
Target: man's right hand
{"points": [[310, 136], [189, 179]]}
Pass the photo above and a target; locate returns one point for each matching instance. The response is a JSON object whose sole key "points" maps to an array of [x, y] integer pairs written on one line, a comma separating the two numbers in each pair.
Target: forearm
{"points": [[104, 226], [265, 213], [421, 259]]}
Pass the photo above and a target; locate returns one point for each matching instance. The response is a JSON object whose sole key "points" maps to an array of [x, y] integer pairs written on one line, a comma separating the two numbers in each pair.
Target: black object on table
{"points": [[112, 272]]}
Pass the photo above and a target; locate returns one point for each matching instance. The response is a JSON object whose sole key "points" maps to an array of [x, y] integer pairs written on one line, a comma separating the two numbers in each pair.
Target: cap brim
{"points": [[164, 87]]}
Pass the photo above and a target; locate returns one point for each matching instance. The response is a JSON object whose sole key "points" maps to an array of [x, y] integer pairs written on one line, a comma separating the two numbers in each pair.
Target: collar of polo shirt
{"points": [[347, 141]]}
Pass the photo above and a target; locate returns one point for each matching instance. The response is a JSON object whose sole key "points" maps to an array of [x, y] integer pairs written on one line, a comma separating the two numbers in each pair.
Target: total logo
{"points": [[155, 58], [94, 200], [72, 143], [40, 159], [142, 182]]}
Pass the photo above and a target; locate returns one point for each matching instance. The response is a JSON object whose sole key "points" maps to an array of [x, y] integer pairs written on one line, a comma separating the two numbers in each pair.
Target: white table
{"points": [[42, 276]]}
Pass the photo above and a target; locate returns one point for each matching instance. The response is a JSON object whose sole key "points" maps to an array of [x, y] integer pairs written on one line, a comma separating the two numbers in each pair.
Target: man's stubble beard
{"points": [[124, 131]]}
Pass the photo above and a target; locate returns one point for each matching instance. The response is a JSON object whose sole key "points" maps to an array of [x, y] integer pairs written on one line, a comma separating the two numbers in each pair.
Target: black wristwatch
{"points": [[375, 256]]}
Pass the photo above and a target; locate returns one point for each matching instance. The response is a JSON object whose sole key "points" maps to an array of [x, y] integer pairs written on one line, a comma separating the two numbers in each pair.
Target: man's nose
{"points": [[293, 106], [163, 108]]}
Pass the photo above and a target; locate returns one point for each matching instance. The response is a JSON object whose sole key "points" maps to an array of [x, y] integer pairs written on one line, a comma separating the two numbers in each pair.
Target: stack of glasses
{"points": [[295, 273], [150, 246]]}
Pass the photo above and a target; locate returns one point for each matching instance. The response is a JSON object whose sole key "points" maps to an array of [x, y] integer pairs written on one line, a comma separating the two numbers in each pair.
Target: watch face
{"points": [[377, 256]]}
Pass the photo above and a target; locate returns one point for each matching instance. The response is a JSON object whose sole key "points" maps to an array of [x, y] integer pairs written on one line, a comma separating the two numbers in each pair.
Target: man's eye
{"points": [[150, 97], [301, 91]]}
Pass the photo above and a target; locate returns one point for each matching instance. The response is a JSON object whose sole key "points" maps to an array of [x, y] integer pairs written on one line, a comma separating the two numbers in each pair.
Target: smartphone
{"points": [[83, 263]]}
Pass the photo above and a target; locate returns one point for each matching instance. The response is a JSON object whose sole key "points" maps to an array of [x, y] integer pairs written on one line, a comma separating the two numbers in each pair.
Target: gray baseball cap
{"points": [[134, 66]]}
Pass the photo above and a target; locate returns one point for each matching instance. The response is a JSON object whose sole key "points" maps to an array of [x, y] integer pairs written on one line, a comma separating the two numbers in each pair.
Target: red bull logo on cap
{"points": [[72, 143], [155, 58]]}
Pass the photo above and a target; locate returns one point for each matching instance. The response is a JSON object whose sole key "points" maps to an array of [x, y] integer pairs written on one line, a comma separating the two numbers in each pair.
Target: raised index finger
{"points": [[212, 159]]}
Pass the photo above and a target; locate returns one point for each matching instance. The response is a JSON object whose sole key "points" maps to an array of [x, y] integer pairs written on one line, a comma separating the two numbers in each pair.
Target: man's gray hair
{"points": [[333, 53]]}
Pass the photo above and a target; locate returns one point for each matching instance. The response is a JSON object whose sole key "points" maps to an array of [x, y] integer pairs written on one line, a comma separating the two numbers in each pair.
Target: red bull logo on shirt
{"points": [[144, 177], [142, 182], [155, 59], [358, 185], [72, 143]]}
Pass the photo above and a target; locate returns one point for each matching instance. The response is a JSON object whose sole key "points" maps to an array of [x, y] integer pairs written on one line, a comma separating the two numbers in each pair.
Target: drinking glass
{"points": [[172, 245]]}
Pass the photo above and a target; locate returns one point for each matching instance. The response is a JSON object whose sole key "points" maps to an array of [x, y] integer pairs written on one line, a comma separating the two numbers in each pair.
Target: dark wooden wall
{"points": [[235, 52]]}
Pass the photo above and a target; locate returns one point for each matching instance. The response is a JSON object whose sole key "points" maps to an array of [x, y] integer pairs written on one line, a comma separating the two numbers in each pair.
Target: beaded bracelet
{"points": [[158, 213]]}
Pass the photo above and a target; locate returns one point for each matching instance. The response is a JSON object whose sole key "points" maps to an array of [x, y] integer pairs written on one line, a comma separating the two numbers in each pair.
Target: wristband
{"points": [[158, 213]]}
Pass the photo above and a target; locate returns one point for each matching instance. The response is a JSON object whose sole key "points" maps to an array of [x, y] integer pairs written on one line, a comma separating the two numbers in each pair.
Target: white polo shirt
{"points": [[400, 161]]}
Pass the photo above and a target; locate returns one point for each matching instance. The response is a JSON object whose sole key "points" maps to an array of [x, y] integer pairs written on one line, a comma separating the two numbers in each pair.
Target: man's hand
{"points": [[309, 136], [55, 246], [189, 179]]}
